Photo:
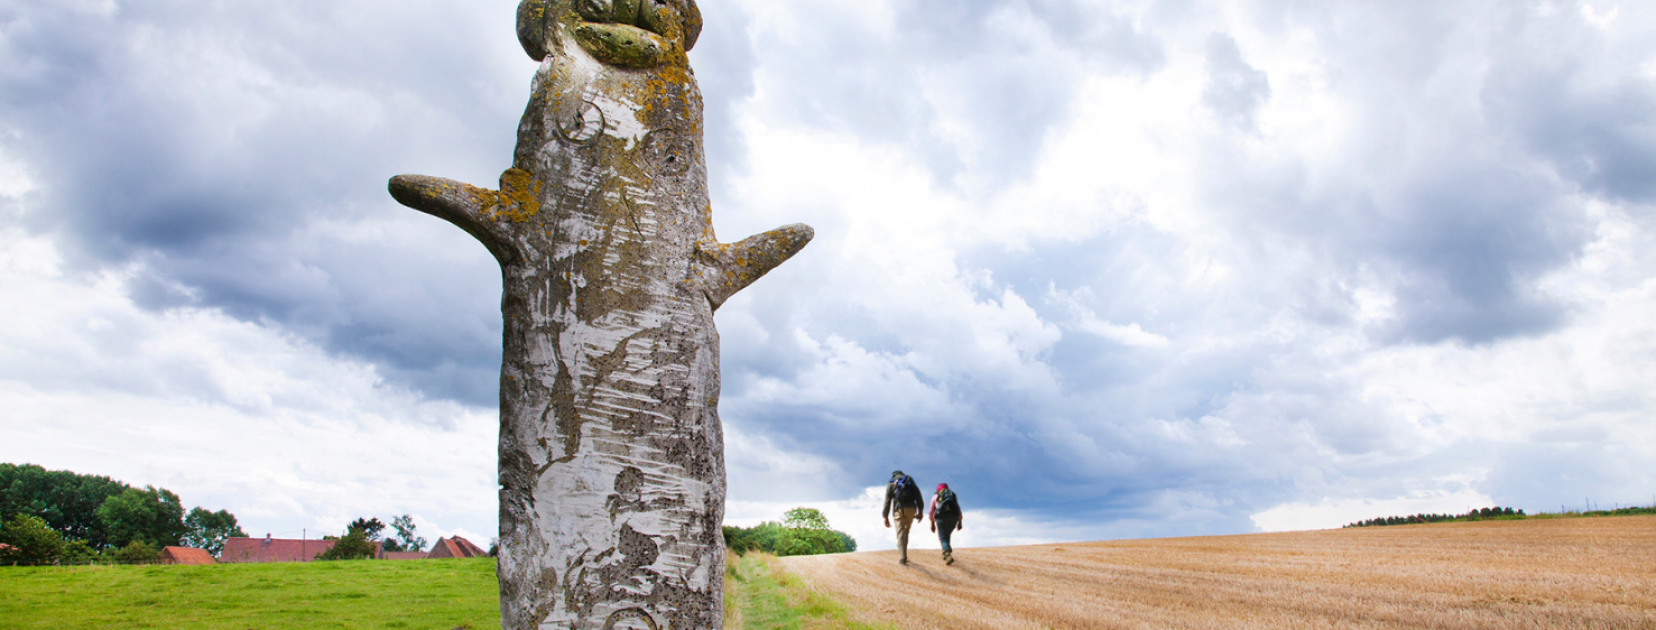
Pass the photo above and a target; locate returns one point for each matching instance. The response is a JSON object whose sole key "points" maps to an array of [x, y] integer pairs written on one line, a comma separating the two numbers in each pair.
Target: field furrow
{"points": [[1589, 573]]}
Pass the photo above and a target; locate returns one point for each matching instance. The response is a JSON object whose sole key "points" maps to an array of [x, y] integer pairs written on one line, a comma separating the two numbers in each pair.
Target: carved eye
{"points": [[584, 126]]}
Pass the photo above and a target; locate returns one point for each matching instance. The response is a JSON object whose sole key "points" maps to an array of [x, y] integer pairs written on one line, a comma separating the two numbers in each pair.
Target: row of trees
{"points": [[802, 532], [1474, 515], [50, 516]]}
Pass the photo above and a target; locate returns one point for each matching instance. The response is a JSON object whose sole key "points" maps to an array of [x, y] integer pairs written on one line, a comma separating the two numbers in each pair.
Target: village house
{"points": [[186, 555], [455, 547], [269, 549]]}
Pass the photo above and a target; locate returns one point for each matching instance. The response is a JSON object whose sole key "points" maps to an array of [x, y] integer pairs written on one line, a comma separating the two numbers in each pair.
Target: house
{"points": [[455, 547], [269, 549], [186, 555]]}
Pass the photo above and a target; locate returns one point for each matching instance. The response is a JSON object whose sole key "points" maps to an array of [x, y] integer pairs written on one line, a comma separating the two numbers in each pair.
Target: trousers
{"points": [[905, 518], [945, 529]]}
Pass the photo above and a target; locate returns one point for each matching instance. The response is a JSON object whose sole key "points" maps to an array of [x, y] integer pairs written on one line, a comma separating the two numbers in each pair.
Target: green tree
{"points": [[151, 515], [353, 545], [804, 518], [736, 539], [369, 526], [68, 502], [208, 530], [847, 543], [407, 538], [31, 541]]}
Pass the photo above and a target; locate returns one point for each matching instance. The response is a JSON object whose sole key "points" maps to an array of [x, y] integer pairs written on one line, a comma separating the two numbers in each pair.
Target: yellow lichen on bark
{"points": [[518, 199]]}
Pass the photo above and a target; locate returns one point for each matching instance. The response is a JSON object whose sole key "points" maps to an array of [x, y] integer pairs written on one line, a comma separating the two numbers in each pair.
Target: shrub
{"points": [[31, 542], [78, 552], [805, 533], [136, 552]]}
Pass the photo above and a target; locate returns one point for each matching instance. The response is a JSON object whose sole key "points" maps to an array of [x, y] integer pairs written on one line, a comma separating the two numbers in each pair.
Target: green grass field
{"points": [[414, 594]]}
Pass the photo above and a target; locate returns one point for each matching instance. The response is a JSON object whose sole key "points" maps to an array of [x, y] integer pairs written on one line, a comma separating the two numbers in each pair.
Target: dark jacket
{"points": [[894, 502]]}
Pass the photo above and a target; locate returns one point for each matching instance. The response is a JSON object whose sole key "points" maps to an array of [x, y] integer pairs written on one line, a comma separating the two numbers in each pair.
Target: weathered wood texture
{"points": [[611, 453]]}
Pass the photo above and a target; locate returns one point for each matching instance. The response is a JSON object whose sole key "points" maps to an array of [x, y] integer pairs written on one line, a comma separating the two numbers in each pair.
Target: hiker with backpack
{"points": [[946, 518], [902, 499]]}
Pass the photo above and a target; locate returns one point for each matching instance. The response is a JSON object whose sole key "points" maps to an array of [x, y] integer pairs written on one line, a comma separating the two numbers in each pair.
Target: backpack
{"points": [[947, 506], [908, 493]]}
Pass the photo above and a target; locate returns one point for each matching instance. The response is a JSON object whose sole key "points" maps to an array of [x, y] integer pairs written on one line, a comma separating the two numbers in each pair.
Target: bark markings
{"points": [[611, 453]]}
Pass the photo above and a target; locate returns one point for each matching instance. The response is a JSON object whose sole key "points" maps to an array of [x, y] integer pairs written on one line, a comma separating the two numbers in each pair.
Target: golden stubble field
{"points": [[1557, 573]]}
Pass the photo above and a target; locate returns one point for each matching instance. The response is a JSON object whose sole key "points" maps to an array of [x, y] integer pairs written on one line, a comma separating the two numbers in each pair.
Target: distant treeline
{"points": [[1495, 513], [1480, 514], [803, 532], [57, 516], [1626, 511]]}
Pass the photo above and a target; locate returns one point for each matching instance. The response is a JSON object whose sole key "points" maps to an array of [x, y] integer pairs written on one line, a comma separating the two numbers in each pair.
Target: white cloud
{"points": [[1602, 20], [1331, 513], [228, 414], [1088, 321]]}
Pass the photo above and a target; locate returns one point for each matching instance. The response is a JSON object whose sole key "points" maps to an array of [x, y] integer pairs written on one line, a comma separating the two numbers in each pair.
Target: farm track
{"points": [[1597, 573]]}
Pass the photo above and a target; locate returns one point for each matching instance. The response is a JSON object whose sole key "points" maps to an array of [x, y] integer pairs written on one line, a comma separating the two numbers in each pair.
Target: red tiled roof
{"points": [[455, 547], [277, 549], [472, 550], [186, 555]]}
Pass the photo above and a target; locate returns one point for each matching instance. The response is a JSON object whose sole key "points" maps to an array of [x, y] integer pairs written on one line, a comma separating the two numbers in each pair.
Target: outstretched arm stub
{"points": [[476, 210], [736, 265]]}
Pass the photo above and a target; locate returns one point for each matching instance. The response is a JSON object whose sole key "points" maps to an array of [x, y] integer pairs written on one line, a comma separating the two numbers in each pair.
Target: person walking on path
{"points": [[903, 500], [946, 518]]}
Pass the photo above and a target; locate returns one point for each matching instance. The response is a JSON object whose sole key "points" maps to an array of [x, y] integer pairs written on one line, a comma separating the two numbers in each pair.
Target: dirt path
{"points": [[1564, 573]]}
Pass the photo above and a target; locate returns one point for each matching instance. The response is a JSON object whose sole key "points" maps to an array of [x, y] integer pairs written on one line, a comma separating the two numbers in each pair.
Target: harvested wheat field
{"points": [[1557, 573]]}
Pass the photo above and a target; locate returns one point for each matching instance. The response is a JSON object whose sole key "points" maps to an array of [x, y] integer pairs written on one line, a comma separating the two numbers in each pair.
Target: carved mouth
{"points": [[636, 33]]}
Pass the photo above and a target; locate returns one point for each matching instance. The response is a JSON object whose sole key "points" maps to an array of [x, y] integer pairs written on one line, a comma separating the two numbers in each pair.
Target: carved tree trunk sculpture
{"points": [[611, 453]]}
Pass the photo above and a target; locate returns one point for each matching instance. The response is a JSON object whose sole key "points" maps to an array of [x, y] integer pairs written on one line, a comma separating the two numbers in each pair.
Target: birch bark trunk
{"points": [[611, 453]]}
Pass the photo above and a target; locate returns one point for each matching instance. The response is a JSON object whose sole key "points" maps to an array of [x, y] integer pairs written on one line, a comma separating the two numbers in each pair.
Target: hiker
{"points": [[903, 500], [946, 518]]}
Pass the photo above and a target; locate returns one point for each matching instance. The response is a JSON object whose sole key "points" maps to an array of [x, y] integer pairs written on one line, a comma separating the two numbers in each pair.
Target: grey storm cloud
{"points": [[1427, 198], [1598, 130], [225, 146]]}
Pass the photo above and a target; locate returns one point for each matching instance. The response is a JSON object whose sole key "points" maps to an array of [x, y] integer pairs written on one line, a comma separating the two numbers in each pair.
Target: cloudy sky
{"points": [[1110, 269]]}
